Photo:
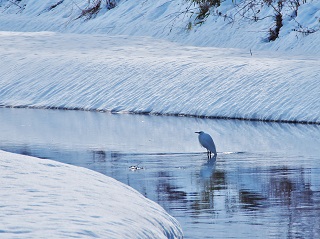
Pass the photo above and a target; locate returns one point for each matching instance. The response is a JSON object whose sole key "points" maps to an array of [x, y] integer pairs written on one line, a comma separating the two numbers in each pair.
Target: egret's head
{"points": [[199, 132]]}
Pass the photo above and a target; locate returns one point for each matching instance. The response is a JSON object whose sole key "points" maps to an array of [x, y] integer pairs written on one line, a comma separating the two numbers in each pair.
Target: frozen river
{"points": [[265, 182]]}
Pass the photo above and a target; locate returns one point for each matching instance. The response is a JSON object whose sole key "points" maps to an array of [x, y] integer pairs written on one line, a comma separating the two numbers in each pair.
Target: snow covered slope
{"points": [[170, 20], [47, 199], [144, 75], [139, 57]]}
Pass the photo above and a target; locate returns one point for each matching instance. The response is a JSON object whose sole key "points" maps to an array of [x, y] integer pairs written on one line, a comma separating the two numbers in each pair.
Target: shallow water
{"points": [[264, 183]]}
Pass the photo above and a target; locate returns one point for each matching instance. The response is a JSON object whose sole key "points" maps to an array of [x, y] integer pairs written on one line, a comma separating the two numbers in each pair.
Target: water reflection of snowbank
{"points": [[266, 176]]}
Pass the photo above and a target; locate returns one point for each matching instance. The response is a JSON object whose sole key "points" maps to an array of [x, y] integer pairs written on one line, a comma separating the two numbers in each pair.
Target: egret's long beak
{"points": [[197, 132]]}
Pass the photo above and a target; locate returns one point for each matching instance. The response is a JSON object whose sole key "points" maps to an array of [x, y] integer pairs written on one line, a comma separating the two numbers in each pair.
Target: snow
{"points": [[140, 57], [139, 66], [135, 74], [41, 198], [167, 19]]}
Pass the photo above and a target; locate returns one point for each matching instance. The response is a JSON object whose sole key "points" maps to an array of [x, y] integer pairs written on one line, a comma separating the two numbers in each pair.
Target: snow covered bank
{"points": [[46, 199], [145, 75], [128, 69], [167, 19]]}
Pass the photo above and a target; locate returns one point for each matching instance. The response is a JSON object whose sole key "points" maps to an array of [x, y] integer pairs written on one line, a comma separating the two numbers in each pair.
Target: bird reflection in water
{"points": [[208, 168]]}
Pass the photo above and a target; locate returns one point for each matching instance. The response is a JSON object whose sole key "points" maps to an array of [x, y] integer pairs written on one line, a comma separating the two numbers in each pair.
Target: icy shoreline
{"points": [[164, 114], [43, 198]]}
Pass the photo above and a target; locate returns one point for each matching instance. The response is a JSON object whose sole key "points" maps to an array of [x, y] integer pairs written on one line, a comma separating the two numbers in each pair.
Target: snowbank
{"points": [[168, 19], [42, 199], [144, 75], [120, 65]]}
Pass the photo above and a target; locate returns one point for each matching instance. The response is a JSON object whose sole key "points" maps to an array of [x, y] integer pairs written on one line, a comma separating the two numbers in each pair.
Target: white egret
{"points": [[207, 142]]}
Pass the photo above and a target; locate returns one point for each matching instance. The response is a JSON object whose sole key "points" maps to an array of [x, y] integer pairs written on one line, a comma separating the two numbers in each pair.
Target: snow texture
{"points": [[41, 198], [128, 61], [143, 75]]}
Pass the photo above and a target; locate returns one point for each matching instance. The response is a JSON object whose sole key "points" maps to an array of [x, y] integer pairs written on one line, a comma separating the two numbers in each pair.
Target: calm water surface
{"points": [[265, 182]]}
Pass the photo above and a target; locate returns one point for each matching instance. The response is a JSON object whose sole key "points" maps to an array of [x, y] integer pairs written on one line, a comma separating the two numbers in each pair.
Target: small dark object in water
{"points": [[135, 167]]}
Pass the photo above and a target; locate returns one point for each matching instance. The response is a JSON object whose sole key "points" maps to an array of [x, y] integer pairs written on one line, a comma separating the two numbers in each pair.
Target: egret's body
{"points": [[207, 142]]}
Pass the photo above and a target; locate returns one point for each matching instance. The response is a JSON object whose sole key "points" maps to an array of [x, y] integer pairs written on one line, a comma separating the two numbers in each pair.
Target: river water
{"points": [[264, 183]]}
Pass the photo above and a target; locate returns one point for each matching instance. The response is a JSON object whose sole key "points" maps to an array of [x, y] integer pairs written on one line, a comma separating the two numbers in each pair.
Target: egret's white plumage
{"points": [[207, 142]]}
